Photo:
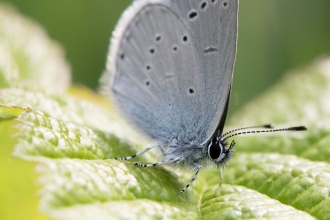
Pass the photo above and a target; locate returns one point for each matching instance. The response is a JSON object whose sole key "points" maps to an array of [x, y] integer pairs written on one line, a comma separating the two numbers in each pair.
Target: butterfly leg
{"points": [[137, 154], [161, 148], [173, 160], [198, 167]]}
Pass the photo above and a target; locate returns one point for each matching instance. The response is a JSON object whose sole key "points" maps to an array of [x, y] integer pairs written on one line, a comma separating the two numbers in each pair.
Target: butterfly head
{"points": [[219, 151]]}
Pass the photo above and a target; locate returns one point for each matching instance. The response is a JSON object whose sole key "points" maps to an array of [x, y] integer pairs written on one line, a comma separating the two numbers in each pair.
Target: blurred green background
{"points": [[274, 37]]}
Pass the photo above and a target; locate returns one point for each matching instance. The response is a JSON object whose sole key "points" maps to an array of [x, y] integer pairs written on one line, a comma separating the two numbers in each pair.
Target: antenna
{"points": [[298, 128], [238, 129]]}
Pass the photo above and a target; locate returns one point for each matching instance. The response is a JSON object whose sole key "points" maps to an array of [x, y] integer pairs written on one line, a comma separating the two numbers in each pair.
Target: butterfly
{"points": [[171, 65]]}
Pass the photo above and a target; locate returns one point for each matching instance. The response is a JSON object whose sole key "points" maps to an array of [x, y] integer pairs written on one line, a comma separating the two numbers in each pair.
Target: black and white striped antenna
{"points": [[231, 133]]}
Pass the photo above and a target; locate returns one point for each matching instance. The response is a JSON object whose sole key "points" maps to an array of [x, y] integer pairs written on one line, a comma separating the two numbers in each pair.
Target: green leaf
{"points": [[27, 54], [41, 135], [291, 180], [87, 178], [72, 137], [10, 112], [17, 179]]}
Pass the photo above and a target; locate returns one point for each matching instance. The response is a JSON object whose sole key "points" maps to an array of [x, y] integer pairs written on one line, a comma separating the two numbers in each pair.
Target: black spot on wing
{"points": [[193, 15], [203, 5]]}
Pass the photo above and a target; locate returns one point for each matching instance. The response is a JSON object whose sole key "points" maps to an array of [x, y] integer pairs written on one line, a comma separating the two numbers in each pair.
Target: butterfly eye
{"points": [[215, 150]]}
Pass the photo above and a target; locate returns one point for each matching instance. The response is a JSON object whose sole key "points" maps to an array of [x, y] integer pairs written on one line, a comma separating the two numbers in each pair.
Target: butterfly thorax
{"points": [[191, 152], [215, 150]]}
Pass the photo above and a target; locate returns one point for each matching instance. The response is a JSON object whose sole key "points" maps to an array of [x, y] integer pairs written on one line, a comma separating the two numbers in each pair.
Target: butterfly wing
{"points": [[213, 24], [171, 64]]}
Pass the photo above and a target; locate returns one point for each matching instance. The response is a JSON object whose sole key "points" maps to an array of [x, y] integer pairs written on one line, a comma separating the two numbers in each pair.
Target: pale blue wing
{"points": [[171, 64]]}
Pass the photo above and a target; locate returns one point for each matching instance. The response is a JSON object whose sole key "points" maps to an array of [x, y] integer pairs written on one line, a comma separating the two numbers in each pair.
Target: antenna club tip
{"points": [[299, 128], [269, 126]]}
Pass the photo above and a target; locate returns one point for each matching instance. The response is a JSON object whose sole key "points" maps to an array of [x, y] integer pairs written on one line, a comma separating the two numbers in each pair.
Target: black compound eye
{"points": [[215, 149]]}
